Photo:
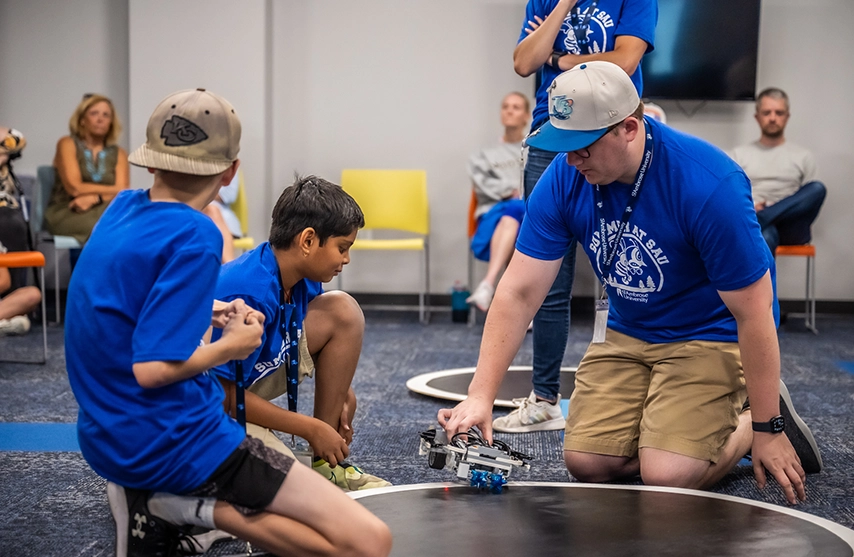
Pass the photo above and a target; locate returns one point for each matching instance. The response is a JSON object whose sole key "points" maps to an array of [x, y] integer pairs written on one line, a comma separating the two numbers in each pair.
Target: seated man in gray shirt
{"points": [[782, 175]]}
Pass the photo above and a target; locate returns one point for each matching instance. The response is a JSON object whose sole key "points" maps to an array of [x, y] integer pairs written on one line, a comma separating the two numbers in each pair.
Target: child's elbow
{"points": [[151, 375]]}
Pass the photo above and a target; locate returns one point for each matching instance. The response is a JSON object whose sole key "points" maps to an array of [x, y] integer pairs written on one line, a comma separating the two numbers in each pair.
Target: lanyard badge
{"points": [[600, 323]]}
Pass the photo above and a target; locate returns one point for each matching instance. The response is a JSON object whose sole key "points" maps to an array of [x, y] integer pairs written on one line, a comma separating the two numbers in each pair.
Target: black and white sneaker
{"points": [[138, 532], [799, 434], [199, 540]]}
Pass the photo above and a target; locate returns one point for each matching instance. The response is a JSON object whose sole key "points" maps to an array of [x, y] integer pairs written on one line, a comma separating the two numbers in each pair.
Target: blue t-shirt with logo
{"points": [[142, 291], [254, 277], [692, 233], [610, 19]]}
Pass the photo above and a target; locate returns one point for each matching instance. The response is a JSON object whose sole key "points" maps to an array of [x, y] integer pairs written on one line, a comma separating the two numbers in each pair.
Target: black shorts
{"points": [[249, 478]]}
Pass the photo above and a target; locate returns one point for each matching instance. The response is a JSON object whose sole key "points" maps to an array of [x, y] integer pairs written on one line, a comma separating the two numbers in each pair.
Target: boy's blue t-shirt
{"points": [[143, 291], [692, 233], [254, 277], [611, 19]]}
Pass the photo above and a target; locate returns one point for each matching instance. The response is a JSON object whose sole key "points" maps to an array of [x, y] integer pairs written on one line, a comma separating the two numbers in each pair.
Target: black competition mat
{"points": [[452, 384], [582, 520]]}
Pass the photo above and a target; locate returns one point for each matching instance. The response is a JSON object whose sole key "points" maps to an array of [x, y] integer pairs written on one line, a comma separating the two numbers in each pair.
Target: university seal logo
{"points": [[638, 267]]}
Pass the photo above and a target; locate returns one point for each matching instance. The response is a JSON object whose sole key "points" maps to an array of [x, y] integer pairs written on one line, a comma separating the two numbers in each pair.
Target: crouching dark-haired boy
{"points": [[307, 332], [151, 417]]}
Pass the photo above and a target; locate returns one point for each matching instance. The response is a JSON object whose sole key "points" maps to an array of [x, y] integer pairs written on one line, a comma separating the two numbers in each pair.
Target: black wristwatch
{"points": [[556, 55], [775, 425]]}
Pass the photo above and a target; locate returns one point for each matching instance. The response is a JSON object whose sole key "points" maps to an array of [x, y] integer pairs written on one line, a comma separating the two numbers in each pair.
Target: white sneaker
{"points": [[532, 415], [18, 325], [482, 296]]}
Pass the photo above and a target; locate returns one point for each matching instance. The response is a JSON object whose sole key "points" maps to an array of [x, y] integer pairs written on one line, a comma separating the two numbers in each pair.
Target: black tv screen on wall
{"points": [[704, 50]]}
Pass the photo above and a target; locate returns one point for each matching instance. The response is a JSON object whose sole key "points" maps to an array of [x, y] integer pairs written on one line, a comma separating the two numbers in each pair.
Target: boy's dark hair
{"points": [[313, 202]]}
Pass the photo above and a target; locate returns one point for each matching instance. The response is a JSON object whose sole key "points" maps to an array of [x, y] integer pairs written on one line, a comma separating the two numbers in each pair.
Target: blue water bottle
{"points": [[459, 307]]}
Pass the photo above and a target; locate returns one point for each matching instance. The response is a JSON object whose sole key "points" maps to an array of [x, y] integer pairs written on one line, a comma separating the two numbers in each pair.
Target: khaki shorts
{"points": [[681, 397], [269, 438], [275, 384]]}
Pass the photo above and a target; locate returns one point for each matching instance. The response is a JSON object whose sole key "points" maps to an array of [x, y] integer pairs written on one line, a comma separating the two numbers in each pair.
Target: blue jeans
{"points": [[551, 323], [788, 221]]}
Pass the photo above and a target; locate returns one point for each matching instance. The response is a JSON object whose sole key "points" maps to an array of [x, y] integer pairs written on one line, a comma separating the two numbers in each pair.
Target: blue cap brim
{"points": [[549, 138]]}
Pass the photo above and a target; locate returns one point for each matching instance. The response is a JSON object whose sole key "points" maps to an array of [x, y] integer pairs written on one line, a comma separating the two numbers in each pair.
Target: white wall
{"points": [[213, 44], [389, 84], [321, 86]]}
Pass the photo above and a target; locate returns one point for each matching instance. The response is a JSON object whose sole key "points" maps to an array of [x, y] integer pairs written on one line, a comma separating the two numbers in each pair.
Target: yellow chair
{"points": [[241, 209], [394, 200]]}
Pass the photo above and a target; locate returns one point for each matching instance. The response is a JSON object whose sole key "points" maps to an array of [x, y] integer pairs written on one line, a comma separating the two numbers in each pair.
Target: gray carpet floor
{"points": [[51, 503]]}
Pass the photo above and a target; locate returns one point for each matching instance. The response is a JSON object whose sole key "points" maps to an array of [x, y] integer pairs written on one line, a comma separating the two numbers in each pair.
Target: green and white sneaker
{"points": [[348, 477]]}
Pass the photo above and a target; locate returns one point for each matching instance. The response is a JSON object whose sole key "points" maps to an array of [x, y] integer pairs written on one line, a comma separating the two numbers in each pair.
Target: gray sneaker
{"points": [[799, 434], [531, 415]]}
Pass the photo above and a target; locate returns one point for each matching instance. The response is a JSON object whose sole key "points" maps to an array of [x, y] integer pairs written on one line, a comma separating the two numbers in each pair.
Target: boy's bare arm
{"points": [[324, 440], [240, 338]]}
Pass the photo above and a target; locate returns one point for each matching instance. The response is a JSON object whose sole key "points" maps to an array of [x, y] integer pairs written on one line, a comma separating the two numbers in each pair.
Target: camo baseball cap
{"points": [[192, 132]]}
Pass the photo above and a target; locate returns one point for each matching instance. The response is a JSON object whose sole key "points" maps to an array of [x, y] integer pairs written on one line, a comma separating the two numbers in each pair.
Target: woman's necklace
{"points": [[97, 172]]}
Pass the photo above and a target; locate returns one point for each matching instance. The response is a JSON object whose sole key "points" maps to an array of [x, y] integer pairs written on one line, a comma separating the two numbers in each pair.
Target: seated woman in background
{"points": [[219, 211], [496, 173], [90, 169]]}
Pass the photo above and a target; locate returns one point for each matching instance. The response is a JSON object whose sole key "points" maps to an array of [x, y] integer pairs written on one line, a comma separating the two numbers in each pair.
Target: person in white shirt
{"points": [[496, 174], [786, 195]]}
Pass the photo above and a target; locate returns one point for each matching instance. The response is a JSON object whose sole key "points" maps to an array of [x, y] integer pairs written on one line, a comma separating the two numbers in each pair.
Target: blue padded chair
{"points": [[41, 197]]}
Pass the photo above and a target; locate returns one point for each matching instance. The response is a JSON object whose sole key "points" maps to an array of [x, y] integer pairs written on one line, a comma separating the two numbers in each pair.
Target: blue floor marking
{"points": [[38, 437], [846, 366]]}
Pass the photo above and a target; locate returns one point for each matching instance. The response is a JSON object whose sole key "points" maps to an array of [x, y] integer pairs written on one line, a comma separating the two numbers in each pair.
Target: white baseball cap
{"points": [[193, 132], [583, 103]]}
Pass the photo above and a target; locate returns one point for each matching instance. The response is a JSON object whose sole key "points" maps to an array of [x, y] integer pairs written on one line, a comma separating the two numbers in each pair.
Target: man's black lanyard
{"points": [[581, 28], [608, 255], [290, 330]]}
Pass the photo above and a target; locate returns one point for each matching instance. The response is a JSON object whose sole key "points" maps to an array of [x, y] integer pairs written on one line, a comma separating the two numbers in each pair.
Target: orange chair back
{"points": [[17, 259], [806, 250], [472, 220]]}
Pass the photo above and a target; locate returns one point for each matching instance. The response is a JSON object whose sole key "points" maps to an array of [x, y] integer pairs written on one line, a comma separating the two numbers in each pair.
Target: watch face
{"points": [[777, 424]]}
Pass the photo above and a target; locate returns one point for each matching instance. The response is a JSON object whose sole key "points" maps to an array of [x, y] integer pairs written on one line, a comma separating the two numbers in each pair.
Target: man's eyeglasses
{"points": [[584, 152]]}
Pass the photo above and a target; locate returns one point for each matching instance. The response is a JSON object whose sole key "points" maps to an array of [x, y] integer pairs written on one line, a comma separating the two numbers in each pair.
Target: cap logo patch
{"points": [[561, 107], [179, 132]]}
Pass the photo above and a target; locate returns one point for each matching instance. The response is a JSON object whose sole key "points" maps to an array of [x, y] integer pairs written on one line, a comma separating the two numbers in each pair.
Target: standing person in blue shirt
{"points": [[668, 224], [559, 35], [314, 224], [151, 417]]}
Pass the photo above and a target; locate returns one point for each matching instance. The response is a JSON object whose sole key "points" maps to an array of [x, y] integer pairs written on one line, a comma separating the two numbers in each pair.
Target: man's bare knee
{"points": [[664, 469], [589, 467], [670, 478]]}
